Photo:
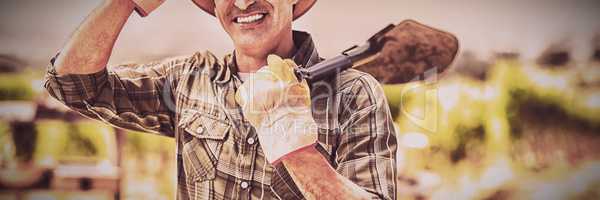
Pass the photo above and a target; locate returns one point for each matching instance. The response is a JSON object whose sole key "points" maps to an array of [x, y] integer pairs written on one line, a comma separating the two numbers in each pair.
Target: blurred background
{"points": [[516, 117]]}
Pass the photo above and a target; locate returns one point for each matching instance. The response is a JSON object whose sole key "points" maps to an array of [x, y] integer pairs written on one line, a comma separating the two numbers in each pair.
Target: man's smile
{"points": [[250, 20], [245, 19]]}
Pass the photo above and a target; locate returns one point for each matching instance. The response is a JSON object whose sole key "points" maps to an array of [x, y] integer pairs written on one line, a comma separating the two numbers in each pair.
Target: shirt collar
{"points": [[305, 56]]}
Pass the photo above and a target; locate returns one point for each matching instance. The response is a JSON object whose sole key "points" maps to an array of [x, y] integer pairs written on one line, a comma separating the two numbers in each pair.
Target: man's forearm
{"points": [[317, 179], [90, 46]]}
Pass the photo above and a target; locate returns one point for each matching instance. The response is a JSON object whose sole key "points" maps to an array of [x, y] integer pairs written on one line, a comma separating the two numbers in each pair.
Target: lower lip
{"points": [[253, 25]]}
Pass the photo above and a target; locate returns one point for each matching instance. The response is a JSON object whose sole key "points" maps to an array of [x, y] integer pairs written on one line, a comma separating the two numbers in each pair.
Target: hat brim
{"points": [[299, 9]]}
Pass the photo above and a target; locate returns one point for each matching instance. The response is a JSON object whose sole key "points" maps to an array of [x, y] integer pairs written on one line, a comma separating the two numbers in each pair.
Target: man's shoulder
{"points": [[202, 58], [352, 87], [199, 58], [359, 90], [356, 81], [350, 81], [169, 63]]}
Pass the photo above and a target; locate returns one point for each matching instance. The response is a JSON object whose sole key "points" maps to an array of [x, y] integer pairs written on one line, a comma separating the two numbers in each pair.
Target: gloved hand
{"points": [[278, 106], [144, 7]]}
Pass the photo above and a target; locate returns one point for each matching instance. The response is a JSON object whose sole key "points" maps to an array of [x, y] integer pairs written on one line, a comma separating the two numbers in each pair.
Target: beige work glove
{"points": [[278, 106], [145, 7]]}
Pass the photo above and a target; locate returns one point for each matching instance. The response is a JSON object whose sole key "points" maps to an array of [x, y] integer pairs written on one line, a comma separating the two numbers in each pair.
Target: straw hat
{"points": [[299, 9]]}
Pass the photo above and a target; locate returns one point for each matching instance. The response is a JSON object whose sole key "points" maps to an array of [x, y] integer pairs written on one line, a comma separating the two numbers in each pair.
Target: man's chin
{"points": [[252, 43]]}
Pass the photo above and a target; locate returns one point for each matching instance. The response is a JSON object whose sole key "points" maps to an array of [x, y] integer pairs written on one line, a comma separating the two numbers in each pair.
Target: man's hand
{"points": [[278, 106]]}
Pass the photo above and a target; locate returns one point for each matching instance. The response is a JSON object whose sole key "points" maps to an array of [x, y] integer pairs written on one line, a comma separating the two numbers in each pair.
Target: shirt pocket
{"points": [[200, 153]]}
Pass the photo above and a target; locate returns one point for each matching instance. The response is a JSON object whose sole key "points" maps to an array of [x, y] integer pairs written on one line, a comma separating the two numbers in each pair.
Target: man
{"points": [[245, 127]]}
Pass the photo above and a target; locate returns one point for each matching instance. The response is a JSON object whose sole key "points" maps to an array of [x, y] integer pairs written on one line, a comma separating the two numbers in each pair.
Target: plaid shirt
{"points": [[218, 154]]}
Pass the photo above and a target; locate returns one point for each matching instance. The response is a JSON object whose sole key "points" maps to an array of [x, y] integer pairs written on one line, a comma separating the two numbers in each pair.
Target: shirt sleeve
{"points": [[136, 97], [366, 150]]}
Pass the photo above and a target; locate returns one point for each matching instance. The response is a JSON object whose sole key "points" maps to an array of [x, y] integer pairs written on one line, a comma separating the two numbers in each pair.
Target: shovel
{"points": [[396, 54]]}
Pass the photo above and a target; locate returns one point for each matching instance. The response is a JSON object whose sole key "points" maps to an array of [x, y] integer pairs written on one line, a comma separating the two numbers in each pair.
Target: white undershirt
{"points": [[245, 75]]}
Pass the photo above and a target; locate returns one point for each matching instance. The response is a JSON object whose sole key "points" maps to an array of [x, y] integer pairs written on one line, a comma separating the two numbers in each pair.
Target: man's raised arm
{"points": [[138, 96], [90, 46]]}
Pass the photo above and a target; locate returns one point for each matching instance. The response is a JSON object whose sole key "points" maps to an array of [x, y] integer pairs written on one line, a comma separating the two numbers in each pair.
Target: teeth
{"points": [[250, 19]]}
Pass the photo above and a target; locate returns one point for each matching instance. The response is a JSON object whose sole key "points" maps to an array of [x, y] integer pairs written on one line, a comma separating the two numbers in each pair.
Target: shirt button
{"points": [[250, 141], [244, 185], [200, 129]]}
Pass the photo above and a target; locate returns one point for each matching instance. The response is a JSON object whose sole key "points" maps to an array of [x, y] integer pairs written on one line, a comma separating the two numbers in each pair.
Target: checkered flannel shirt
{"points": [[218, 154]]}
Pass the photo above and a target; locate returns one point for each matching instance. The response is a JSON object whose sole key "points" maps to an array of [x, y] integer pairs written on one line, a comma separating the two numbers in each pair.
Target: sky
{"points": [[34, 30]]}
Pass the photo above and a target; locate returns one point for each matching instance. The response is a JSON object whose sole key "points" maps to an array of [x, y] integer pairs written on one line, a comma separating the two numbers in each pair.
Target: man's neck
{"points": [[251, 62]]}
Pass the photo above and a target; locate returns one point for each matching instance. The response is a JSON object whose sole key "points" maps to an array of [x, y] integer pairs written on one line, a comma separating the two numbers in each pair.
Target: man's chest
{"points": [[218, 146], [219, 150]]}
